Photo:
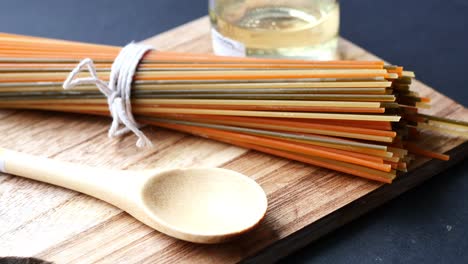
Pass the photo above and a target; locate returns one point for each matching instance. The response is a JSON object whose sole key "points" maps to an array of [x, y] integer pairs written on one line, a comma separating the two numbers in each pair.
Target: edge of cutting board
{"points": [[357, 208]]}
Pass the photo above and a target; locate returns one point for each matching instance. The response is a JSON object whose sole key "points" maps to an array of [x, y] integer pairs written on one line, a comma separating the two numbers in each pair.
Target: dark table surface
{"points": [[428, 224]]}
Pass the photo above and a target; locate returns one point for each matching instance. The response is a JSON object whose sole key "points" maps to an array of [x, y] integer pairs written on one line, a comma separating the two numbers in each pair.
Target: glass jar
{"points": [[303, 29]]}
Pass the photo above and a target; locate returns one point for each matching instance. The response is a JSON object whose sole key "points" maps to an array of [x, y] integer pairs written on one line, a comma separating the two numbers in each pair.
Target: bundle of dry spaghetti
{"points": [[356, 117]]}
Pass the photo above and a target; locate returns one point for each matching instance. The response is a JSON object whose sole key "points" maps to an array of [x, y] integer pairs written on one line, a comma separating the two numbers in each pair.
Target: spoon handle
{"points": [[92, 181]]}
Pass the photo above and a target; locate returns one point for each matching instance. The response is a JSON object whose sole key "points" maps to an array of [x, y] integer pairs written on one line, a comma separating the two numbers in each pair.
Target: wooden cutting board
{"points": [[305, 202]]}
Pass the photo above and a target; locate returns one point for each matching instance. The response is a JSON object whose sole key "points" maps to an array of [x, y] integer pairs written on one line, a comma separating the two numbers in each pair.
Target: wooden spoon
{"points": [[202, 205]]}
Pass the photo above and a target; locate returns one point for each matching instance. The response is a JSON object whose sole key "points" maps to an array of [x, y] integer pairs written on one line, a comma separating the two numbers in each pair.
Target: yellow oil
{"points": [[295, 28]]}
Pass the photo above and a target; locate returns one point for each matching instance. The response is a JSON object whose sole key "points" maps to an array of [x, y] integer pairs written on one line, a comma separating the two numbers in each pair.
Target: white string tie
{"points": [[118, 89]]}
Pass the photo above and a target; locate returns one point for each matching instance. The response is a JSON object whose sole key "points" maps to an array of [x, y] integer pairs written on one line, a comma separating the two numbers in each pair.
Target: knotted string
{"points": [[118, 90]]}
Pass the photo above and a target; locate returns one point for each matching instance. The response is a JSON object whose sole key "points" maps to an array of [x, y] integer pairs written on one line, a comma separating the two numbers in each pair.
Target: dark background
{"points": [[428, 224]]}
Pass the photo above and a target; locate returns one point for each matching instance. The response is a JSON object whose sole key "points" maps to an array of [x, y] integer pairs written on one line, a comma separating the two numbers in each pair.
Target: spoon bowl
{"points": [[202, 205], [205, 205]]}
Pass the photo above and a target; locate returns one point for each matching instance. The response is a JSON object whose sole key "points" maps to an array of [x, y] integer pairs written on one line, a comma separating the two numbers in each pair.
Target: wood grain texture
{"points": [[305, 202]]}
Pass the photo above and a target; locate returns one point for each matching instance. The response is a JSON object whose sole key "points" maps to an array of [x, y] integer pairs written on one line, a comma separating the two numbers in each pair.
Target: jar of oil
{"points": [[302, 29]]}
